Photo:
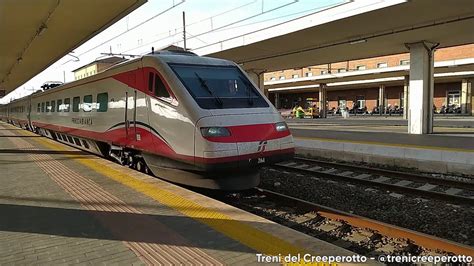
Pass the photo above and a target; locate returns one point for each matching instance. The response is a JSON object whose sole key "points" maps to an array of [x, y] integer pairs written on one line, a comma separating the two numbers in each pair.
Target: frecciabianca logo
{"points": [[261, 146]]}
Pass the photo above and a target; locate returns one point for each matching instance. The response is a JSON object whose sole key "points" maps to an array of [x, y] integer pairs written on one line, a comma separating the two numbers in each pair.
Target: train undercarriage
{"points": [[162, 167]]}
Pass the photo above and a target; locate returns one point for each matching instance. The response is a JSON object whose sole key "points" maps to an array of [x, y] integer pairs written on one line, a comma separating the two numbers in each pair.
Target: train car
{"points": [[16, 112], [192, 120]]}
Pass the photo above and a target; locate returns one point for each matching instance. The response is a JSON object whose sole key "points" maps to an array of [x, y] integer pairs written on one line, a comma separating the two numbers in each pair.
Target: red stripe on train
{"points": [[153, 144], [249, 133], [148, 142], [138, 79]]}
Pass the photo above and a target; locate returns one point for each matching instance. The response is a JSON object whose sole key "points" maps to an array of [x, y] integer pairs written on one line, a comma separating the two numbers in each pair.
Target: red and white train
{"points": [[192, 120]]}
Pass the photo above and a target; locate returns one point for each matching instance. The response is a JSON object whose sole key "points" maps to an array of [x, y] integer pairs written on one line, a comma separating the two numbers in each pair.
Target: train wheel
{"points": [[131, 162], [140, 166]]}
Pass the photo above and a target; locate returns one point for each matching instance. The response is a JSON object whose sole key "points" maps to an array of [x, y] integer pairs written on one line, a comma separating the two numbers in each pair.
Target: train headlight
{"points": [[215, 132], [281, 126]]}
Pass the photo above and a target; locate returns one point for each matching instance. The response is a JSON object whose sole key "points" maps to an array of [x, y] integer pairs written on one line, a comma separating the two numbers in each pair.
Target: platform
{"points": [[385, 141], [440, 122], [62, 205]]}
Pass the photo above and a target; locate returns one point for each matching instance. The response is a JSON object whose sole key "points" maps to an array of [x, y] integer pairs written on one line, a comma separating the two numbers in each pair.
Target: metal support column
{"points": [[406, 85], [277, 100], [322, 100], [466, 97], [381, 99]]}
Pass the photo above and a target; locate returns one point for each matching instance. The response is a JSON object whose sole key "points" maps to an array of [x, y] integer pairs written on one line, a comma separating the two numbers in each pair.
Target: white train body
{"points": [[177, 111]]}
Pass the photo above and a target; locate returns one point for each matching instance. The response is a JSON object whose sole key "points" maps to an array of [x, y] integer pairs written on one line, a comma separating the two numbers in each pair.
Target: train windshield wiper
{"points": [[205, 86], [249, 89]]}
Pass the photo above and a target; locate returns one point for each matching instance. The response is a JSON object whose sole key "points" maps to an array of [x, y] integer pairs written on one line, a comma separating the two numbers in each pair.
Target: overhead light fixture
{"points": [[358, 41], [42, 29]]}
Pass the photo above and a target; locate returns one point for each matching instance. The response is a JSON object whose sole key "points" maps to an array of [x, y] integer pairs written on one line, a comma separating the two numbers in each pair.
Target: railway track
{"points": [[359, 234], [454, 191]]}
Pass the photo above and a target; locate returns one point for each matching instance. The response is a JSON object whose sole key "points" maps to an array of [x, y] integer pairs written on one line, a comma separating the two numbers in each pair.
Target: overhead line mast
{"points": [[184, 31]]}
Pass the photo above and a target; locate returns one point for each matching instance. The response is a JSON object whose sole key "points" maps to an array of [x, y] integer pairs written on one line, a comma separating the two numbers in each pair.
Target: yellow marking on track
{"points": [[399, 145], [249, 236]]}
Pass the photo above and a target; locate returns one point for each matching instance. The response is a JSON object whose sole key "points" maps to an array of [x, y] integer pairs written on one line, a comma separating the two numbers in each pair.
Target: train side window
{"points": [[150, 82], [42, 107], [87, 103], [84, 143], [75, 104], [102, 102], [67, 104], [59, 107], [53, 106], [160, 89], [47, 107], [39, 108]]}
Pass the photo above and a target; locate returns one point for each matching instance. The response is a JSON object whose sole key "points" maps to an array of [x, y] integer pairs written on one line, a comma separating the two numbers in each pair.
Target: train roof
{"points": [[178, 57], [185, 57]]}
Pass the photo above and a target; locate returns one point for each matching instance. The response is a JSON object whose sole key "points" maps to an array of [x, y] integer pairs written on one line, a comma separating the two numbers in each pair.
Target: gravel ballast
{"points": [[432, 217]]}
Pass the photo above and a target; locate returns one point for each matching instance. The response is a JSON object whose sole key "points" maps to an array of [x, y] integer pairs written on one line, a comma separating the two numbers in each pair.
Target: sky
{"points": [[158, 23]]}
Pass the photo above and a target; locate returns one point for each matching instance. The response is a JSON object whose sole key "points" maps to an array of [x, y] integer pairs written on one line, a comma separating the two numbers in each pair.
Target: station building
{"points": [[380, 81], [96, 67]]}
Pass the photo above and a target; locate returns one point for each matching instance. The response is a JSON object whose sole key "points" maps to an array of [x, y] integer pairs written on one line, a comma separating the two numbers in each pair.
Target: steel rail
{"points": [[393, 173], [462, 200], [393, 231]]}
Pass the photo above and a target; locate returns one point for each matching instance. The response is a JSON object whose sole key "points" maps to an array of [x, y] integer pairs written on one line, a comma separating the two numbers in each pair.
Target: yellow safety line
{"points": [[399, 145], [256, 239]]}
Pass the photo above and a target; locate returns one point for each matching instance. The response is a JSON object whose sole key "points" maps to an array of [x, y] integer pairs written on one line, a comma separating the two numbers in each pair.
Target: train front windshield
{"points": [[218, 87]]}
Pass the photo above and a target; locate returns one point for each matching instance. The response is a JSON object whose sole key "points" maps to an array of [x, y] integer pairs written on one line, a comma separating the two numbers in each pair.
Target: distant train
{"points": [[188, 119]]}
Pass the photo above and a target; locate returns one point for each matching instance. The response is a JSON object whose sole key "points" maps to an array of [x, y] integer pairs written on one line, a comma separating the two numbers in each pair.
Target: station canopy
{"points": [[348, 31], [35, 34]]}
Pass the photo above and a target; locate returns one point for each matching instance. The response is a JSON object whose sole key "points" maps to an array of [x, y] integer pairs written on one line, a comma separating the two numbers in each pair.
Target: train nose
{"points": [[229, 138]]}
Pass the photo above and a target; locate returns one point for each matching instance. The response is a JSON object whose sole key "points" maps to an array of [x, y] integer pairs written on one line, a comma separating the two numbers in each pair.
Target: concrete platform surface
{"points": [[443, 153], [446, 121], [60, 205]]}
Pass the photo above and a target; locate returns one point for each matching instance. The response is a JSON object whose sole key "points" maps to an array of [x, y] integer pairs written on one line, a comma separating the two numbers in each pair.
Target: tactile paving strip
{"points": [[93, 197]]}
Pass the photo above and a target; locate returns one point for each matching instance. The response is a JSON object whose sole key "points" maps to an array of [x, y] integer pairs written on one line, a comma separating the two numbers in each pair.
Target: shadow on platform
{"points": [[19, 136], [23, 161], [109, 225], [77, 152]]}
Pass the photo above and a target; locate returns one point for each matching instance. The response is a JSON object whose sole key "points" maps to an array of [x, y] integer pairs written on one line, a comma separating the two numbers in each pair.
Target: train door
{"points": [[28, 114], [130, 115]]}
